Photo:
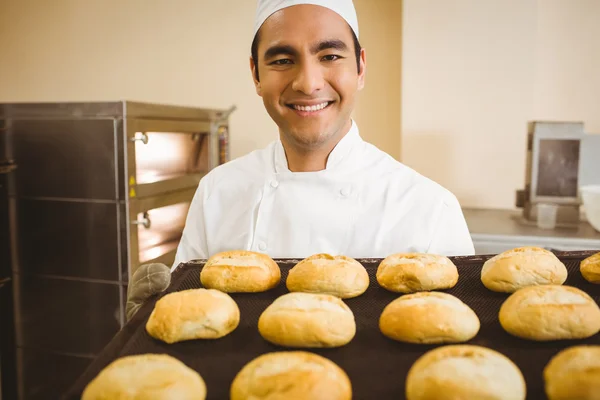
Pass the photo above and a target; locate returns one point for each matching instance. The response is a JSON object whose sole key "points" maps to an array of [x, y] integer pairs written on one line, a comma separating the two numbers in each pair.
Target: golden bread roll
{"points": [[574, 373], [521, 267], [590, 268], [146, 377], [464, 372], [307, 320], [240, 271], [550, 312], [429, 317], [291, 375], [415, 272], [340, 276], [193, 314]]}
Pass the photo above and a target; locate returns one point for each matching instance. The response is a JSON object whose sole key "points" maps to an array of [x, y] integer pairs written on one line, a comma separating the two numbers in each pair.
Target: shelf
{"points": [[160, 184]]}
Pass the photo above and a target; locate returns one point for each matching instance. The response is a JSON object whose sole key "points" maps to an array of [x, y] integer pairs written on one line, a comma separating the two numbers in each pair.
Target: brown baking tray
{"points": [[376, 365]]}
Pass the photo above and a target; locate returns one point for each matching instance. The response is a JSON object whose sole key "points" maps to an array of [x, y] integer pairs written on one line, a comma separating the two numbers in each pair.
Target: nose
{"points": [[309, 79]]}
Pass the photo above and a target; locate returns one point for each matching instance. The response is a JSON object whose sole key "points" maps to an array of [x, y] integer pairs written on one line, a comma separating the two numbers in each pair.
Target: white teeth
{"points": [[310, 108]]}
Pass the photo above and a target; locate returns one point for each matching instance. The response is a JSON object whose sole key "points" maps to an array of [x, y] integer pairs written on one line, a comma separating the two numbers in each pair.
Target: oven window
{"points": [[159, 238], [168, 155]]}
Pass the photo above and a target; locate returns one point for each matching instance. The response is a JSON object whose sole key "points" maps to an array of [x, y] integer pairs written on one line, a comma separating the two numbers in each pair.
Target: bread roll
{"points": [[146, 377], [520, 267], [414, 272], [574, 373], [340, 276], [240, 271], [590, 268], [307, 320], [464, 372], [550, 312], [291, 375], [193, 314], [429, 317]]}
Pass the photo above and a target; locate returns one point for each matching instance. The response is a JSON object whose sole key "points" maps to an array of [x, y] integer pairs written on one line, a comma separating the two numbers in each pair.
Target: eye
{"points": [[283, 61], [331, 57]]}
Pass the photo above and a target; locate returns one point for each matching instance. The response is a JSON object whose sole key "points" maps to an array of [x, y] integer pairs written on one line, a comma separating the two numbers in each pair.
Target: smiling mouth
{"points": [[313, 108]]}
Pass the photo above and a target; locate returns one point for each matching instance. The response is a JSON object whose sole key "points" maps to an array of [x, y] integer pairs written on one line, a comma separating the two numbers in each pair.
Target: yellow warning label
{"points": [[131, 180], [132, 192]]}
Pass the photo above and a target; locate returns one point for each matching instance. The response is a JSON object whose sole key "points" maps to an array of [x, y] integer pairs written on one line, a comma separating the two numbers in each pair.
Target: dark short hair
{"points": [[254, 50]]}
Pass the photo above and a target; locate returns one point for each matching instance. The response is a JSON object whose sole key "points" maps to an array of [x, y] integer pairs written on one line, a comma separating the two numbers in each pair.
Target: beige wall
{"points": [[474, 73], [378, 111], [567, 78], [185, 52]]}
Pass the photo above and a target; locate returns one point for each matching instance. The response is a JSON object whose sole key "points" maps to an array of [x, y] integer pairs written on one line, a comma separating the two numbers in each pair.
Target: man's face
{"points": [[308, 74]]}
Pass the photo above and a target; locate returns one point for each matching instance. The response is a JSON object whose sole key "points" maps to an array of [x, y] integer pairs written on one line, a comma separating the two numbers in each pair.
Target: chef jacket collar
{"points": [[337, 155]]}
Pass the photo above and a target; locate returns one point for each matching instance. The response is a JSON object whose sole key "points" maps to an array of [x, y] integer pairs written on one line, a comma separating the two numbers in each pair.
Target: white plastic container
{"points": [[546, 215], [590, 196]]}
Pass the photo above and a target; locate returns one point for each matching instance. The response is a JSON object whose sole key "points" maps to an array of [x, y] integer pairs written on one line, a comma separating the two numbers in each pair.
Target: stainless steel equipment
{"points": [[561, 158], [8, 389], [100, 189]]}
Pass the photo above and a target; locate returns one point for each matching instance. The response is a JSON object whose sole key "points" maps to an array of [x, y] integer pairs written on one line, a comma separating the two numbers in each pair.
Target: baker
{"points": [[320, 188]]}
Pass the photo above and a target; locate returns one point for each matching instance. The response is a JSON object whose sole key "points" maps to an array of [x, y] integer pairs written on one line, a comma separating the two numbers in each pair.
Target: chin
{"points": [[309, 138]]}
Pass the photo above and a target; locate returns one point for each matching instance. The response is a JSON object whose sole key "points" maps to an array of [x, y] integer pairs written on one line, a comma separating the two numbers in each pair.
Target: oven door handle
{"points": [[146, 223]]}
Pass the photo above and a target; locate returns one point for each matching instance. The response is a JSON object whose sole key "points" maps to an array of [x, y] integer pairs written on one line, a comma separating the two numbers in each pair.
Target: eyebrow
{"points": [[335, 44], [280, 50], [276, 50]]}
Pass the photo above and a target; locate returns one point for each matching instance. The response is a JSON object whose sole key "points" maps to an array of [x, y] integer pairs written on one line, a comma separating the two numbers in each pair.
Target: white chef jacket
{"points": [[363, 204]]}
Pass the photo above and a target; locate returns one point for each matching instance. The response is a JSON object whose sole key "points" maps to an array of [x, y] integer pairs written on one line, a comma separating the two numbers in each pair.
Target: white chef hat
{"points": [[345, 8]]}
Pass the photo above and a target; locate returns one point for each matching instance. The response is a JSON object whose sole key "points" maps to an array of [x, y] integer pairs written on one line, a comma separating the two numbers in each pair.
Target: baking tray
{"points": [[377, 366]]}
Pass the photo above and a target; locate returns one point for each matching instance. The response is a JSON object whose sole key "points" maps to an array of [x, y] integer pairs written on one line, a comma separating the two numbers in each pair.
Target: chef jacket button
{"points": [[274, 184], [262, 246], [345, 192]]}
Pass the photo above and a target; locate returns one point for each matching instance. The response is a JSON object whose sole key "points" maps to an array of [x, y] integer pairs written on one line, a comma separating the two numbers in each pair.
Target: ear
{"points": [[363, 69], [254, 70]]}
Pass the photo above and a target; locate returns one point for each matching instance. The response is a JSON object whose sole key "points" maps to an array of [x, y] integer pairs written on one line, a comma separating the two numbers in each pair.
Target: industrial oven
{"points": [[97, 190]]}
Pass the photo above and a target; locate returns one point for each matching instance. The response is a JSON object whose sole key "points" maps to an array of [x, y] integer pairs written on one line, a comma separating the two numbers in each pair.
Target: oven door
{"points": [[157, 227]]}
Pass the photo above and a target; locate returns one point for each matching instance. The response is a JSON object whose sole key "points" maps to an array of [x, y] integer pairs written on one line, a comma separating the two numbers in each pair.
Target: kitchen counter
{"points": [[494, 231]]}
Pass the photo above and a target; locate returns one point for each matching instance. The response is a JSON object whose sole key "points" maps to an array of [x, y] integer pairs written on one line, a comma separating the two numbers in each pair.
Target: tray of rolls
{"points": [[522, 324]]}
